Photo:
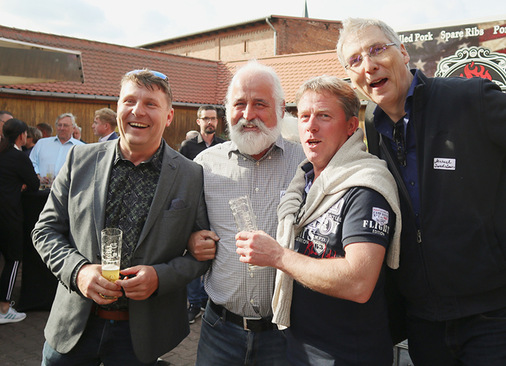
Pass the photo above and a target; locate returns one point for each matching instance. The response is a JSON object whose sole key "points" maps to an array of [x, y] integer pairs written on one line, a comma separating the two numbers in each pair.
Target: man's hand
{"points": [[140, 283], [258, 248], [202, 245], [95, 287]]}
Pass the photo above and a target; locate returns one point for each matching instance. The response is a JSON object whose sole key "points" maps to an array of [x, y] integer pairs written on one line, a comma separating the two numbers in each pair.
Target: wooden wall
{"points": [[37, 109]]}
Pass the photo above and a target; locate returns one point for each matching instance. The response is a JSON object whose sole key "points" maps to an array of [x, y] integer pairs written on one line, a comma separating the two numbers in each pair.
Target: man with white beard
{"points": [[258, 163]]}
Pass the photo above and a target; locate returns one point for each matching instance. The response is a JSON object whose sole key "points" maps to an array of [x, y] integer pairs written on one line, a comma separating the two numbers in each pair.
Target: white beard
{"points": [[253, 143]]}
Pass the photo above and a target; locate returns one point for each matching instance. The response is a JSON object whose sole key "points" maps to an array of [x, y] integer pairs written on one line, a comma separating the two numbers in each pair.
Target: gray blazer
{"points": [[68, 231]]}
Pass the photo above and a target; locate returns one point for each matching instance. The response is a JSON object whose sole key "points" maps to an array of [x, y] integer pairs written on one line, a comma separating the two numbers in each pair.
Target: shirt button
{"points": [[257, 189], [412, 183]]}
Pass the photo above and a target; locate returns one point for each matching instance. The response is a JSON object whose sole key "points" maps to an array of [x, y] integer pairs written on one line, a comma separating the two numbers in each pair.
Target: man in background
{"points": [[4, 117], [49, 153], [104, 124], [207, 119], [46, 129]]}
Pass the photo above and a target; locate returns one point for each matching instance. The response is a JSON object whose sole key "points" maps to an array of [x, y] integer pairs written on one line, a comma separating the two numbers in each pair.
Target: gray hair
{"points": [[70, 115], [256, 67], [353, 25]]}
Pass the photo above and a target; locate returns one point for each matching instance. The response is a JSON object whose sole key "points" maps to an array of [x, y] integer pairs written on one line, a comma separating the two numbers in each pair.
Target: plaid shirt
{"points": [[229, 174]]}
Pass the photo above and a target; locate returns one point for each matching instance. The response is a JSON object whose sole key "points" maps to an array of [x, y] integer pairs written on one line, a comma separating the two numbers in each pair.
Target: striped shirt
{"points": [[229, 174]]}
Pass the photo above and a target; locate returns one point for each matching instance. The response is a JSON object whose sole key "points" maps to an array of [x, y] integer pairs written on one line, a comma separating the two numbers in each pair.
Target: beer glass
{"points": [[244, 217], [111, 253]]}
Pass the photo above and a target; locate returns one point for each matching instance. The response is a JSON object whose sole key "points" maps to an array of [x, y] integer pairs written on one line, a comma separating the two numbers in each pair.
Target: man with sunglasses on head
{"points": [[138, 184], [444, 140]]}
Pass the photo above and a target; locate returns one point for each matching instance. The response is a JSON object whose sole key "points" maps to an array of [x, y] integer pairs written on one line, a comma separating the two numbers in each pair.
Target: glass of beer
{"points": [[50, 175], [111, 253]]}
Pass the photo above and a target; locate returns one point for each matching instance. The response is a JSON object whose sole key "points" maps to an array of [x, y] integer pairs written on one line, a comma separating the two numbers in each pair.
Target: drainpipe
{"points": [[275, 35]]}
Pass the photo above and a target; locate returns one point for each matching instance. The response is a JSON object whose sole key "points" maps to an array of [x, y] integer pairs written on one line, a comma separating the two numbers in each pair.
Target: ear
{"points": [[405, 54], [283, 109], [170, 116], [352, 125]]}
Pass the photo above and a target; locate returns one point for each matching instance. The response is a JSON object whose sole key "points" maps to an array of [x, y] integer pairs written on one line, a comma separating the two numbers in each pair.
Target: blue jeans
{"points": [[478, 340], [226, 344], [105, 341], [196, 293]]}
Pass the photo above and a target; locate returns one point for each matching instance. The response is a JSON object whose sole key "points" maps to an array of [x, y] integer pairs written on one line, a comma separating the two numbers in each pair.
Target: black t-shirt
{"points": [[340, 327]]}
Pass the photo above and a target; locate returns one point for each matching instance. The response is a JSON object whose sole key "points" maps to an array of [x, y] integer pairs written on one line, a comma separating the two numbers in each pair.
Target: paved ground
{"points": [[21, 343]]}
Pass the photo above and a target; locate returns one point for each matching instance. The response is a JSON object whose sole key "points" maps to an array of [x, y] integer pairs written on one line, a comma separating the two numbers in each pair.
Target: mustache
{"points": [[254, 122]]}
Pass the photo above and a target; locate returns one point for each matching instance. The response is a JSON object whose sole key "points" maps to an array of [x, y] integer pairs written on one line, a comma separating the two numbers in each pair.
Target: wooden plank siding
{"points": [[36, 109]]}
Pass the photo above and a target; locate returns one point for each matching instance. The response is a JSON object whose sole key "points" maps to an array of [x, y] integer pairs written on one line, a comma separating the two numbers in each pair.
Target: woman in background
{"points": [[16, 175]]}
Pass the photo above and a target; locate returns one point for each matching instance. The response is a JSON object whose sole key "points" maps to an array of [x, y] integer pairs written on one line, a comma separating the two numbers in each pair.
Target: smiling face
{"points": [[384, 79], [143, 115], [323, 127], [253, 113]]}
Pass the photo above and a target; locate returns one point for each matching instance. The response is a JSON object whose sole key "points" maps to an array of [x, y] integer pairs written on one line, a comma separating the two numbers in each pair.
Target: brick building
{"points": [[266, 37]]}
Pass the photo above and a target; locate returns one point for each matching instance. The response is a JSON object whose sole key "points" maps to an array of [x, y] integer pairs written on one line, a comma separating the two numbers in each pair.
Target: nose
{"points": [[369, 64], [312, 124], [248, 112], [137, 109]]}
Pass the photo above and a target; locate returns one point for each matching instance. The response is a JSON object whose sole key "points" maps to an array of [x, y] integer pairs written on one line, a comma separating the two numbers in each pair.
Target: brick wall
{"points": [[294, 35]]}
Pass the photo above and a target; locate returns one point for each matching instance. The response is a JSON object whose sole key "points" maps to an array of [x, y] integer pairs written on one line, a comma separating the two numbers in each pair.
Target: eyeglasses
{"points": [[155, 73], [400, 142], [208, 119], [354, 62]]}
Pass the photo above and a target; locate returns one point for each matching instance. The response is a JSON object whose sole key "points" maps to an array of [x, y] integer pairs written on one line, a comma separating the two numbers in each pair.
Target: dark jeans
{"points": [[478, 340], [196, 293], [106, 341], [226, 344]]}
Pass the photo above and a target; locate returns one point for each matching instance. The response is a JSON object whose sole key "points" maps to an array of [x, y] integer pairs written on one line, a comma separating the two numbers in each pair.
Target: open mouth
{"points": [[138, 125], [313, 142], [378, 83]]}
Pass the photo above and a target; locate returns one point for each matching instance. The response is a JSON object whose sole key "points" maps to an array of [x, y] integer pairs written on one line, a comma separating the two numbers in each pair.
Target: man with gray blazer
{"points": [[155, 196]]}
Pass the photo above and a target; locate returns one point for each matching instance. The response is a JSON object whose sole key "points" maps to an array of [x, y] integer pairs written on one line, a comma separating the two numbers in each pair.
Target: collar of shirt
{"points": [[278, 144], [155, 159], [384, 124], [309, 176], [69, 141], [104, 138]]}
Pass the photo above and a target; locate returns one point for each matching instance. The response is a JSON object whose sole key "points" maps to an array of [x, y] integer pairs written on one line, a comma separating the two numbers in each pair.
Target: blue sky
{"points": [[133, 23]]}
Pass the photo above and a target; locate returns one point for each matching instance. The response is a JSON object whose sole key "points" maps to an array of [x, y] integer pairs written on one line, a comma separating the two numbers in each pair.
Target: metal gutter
{"points": [[275, 35]]}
